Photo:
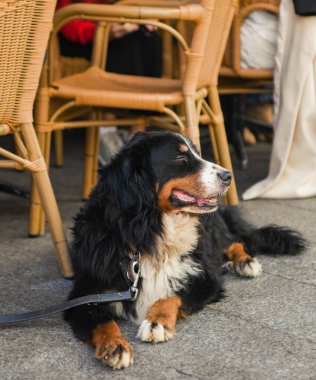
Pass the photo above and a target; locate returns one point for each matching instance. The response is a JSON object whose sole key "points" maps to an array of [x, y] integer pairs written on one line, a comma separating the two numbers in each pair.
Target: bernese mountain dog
{"points": [[160, 198]]}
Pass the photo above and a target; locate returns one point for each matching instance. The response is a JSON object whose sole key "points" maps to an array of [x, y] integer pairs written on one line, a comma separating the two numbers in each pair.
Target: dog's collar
{"points": [[131, 270]]}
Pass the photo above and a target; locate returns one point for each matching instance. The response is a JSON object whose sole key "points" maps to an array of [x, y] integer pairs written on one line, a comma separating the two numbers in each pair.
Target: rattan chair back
{"points": [[218, 30], [24, 31]]}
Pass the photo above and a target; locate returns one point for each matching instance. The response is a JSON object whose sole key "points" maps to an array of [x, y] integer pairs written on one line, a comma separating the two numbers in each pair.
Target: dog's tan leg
{"points": [[159, 325], [240, 262], [111, 347]]}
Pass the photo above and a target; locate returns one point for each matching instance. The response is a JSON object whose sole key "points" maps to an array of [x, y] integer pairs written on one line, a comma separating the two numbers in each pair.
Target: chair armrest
{"points": [[158, 3], [124, 13]]}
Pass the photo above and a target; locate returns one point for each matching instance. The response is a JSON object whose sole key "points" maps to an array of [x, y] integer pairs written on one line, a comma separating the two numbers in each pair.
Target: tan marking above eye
{"points": [[183, 148]]}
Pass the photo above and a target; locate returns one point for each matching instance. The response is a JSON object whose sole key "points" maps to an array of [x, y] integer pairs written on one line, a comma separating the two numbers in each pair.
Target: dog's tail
{"points": [[269, 240], [274, 240]]}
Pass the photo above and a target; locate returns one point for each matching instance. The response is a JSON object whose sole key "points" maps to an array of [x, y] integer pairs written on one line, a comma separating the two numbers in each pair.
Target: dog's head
{"points": [[164, 169]]}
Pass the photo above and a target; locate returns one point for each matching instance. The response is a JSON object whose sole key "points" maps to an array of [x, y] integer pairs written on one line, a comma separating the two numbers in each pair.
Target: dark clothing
{"points": [[137, 53]]}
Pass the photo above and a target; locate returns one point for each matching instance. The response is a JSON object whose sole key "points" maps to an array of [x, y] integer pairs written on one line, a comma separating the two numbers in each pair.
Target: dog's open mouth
{"points": [[192, 200]]}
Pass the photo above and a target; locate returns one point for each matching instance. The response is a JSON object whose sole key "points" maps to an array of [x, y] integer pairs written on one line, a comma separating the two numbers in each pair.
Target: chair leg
{"points": [[221, 142], [48, 201], [95, 158], [192, 125], [35, 204], [91, 161], [214, 145], [59, 153], [37, 216], [46, 154], [88, 162]]}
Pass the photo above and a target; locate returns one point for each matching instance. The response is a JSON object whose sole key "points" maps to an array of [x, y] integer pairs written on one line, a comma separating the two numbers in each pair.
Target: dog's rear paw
{"points": [[116, 353], [248, 268], [154, 332]]}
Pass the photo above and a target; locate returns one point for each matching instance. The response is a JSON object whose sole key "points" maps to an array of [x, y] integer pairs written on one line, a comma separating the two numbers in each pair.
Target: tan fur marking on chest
{"points": [[180, 235]]}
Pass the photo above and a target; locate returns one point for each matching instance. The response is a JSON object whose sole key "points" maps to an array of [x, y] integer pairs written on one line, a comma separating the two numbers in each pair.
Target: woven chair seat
{"points": [[95, 87]]}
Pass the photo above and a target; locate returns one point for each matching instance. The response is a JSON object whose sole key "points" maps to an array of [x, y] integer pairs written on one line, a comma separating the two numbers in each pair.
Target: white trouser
{"points": [[292, 171]]}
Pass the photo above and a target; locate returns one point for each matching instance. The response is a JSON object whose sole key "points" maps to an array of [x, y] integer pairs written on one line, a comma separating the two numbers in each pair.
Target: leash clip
{"points": [[133, 274]]}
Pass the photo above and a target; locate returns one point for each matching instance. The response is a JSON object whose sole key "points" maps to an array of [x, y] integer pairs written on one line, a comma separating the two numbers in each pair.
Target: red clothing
{"points": [[78, 31]]}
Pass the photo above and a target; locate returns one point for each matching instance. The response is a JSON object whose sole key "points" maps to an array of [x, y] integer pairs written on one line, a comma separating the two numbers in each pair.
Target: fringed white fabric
{"points": [[292, 171]]}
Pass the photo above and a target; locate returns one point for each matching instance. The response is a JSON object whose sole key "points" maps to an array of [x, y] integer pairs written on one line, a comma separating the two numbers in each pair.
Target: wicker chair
{"points": [[96, 89], [231, 67], [24, 31]]}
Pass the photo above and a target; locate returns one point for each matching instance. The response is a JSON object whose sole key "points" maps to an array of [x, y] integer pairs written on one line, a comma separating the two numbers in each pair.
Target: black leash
{"points": [[86, 300], [132, 274], [13, 189]]}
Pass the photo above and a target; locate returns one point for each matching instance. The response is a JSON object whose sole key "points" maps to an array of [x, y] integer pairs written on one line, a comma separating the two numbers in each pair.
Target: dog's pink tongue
{"points": [[199, 201], [207, 202], [183, 196]]}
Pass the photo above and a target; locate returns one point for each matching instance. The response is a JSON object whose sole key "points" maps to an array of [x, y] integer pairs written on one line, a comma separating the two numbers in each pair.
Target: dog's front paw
{"points": [[116, 353], [155, 332], [247, 268]]}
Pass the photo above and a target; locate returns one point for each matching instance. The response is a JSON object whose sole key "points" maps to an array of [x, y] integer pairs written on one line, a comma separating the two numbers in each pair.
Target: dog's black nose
{"points": [[225, 176]]}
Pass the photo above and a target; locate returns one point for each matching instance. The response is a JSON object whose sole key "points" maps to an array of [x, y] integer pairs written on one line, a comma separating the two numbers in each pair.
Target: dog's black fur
{"points": [[124, 214]]}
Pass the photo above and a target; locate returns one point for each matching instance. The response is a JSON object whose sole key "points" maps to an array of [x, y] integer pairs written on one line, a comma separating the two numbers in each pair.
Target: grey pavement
{"points": [[265, 328]]}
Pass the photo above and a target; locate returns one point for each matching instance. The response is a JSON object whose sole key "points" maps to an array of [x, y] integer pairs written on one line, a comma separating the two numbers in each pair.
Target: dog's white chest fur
{"points": [[169, 269]]}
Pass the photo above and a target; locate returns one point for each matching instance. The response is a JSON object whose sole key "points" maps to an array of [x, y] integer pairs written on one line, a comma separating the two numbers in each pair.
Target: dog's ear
{"points": [[129, 181]]}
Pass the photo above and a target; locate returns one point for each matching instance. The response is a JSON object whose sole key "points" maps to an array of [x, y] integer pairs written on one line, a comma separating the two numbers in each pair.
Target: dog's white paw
{"points": [[122, 361], [154, 332], [117, 355], [248, 268]]}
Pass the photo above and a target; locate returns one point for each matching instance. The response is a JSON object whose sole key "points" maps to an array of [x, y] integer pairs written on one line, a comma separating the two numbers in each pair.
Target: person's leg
{"points": [[124, 55], [71, 49], [137, 53], [151, 53]]}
